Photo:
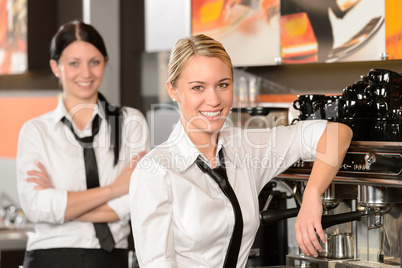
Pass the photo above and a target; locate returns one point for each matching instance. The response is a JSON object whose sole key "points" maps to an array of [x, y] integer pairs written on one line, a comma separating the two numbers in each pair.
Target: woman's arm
{"points": [[331, 150], [80, 204], [103, 213]]}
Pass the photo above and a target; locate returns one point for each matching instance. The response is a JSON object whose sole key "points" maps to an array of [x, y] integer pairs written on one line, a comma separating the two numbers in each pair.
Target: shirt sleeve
{"points": [[279, 148], [135, 139], [151, 214], [47, 205]]}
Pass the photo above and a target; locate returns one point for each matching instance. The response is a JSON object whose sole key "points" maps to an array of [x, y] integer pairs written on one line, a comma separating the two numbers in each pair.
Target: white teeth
{"points": [[210, 114], [84, 84]]}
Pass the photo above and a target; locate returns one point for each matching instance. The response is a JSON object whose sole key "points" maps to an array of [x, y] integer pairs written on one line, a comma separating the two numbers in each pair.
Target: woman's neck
{"points": [[206, 143], [80, 110]]}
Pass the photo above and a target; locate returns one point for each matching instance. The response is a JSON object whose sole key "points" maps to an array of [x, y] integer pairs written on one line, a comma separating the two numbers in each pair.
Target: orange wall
{"points": [[14, 111], [393, 29], [277, 98]]}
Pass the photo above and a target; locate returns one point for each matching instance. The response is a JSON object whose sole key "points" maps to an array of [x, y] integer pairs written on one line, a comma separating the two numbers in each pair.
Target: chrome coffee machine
{"points": [[362, 211], [363, 207]]}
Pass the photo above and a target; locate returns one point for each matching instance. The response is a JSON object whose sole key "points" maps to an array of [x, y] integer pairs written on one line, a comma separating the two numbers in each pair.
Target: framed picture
{"points": [[249, 30], [269, 32], [13, 37]]}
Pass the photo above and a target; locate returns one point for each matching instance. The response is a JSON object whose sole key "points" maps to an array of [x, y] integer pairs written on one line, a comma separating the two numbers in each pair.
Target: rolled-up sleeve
{"points": [[47, 205], [310, 133], [279, 148]]}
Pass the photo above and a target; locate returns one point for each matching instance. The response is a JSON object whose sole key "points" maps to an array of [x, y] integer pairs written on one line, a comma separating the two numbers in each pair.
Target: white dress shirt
{"points": [[180, 216], [47, 140]]}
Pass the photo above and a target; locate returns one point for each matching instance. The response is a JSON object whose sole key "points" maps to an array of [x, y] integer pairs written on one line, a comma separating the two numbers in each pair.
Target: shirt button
{"points": [[229, 207]]}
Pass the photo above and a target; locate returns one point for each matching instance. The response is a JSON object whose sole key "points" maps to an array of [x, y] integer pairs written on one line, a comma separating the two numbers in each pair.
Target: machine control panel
{"points": [[364, 163]]}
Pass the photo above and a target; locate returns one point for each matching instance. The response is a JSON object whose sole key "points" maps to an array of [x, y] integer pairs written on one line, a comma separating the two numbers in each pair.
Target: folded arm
{"points": [[89, 205]]}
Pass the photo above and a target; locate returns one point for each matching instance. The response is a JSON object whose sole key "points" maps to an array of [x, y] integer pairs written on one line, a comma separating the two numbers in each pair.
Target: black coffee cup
{"points": [[383, 91], [384, 76], [362, 127], [355, 108], [304, 103], [379, 132], [393, 131]]}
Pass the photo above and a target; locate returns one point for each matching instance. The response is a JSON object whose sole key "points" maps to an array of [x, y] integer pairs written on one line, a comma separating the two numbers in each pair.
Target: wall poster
{"points": [[13, 36], [267, 32], [249, 30]]}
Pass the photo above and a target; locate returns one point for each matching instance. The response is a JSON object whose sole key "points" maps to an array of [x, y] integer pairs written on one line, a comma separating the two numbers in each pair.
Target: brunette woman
{"points": [[74, 163]]}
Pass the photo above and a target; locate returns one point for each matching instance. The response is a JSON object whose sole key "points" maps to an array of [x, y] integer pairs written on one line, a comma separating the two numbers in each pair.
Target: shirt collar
{"points": [[185, 153], [61, 111]]}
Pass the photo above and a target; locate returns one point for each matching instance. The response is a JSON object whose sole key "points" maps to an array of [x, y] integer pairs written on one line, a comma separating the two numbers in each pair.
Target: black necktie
{"points": [[219, 175], [91, 170]]}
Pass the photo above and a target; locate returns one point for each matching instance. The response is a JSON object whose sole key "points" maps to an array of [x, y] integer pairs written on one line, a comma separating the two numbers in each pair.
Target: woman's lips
{"points": [[84, 84], [212, 115]]}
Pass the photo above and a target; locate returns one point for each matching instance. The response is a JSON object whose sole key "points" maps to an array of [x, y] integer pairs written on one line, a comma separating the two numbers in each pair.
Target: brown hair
{"points": [[74, 31]]}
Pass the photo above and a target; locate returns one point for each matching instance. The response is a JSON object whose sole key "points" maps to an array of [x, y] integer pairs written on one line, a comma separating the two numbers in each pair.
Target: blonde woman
{"points": [[182, 215]]}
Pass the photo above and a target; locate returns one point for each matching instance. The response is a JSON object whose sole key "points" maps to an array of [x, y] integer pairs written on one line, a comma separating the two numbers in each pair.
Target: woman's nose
{"points": [[213, 98], [86, 70]]}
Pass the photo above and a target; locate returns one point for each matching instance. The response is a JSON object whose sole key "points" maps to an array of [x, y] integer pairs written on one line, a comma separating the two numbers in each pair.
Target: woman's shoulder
{"points": [[35, 128], [132, 111], [158, 153], [157, 161], [40, 121], [134, 120]]}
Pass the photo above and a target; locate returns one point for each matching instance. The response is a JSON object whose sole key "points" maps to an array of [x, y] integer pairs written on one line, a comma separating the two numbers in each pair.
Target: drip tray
{"points": [[305, 261], [358, 264]]}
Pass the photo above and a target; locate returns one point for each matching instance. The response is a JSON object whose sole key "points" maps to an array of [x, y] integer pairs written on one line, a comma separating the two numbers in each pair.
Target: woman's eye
{"points": [[95, 62], [73, 63], [198, 88], [223, 85]]}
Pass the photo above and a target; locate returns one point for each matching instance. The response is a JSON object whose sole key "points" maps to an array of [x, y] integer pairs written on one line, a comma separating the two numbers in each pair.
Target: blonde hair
{"points": [[186, 48]]}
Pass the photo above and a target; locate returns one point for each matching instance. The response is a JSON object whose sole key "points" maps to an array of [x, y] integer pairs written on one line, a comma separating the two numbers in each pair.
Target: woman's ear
{"points": [[55, 68], [171, 90]]}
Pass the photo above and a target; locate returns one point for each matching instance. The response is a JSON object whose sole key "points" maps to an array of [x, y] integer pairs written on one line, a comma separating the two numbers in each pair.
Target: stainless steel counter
{"points": [[13, 239]]}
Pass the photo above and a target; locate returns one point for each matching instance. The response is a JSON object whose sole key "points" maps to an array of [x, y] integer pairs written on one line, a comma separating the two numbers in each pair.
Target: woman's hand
{"points": [[308, 224], [41, 178], [122, 183], [87, 202]]}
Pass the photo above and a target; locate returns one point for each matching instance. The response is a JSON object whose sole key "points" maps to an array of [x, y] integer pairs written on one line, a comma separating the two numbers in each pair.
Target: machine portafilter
{"points": [[338, 245], [330, 201], [373, 200], [271, 216]]}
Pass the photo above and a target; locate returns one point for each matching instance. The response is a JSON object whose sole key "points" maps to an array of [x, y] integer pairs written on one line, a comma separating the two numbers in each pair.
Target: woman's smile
{"points": [[212, 115]]}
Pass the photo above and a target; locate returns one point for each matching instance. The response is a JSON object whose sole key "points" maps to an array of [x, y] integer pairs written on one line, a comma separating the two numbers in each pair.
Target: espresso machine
{"points": [[362, 209]]}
